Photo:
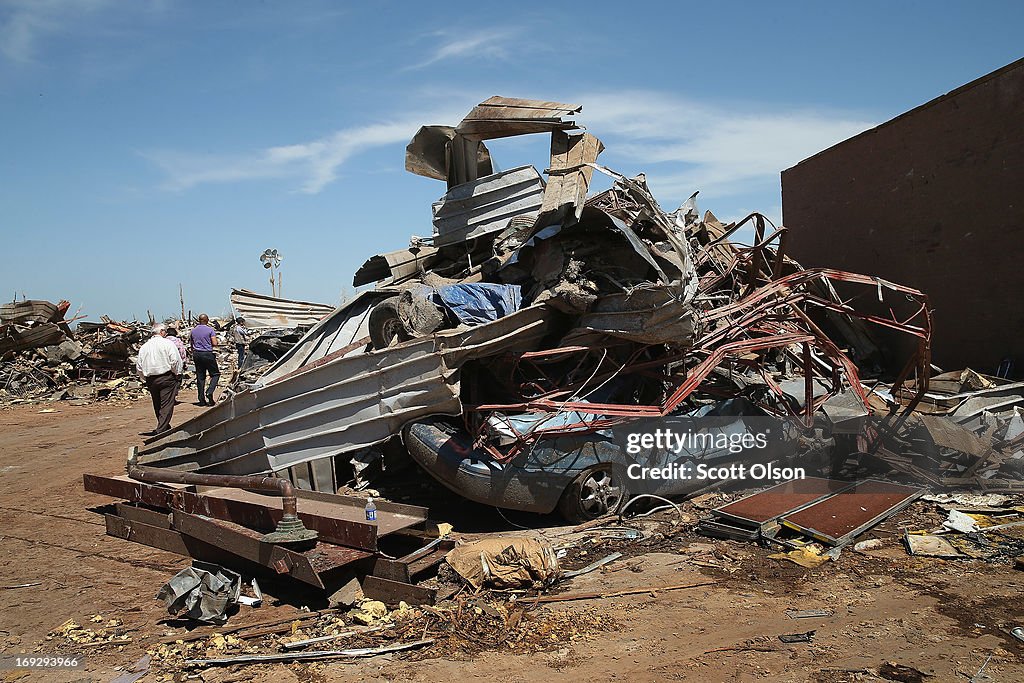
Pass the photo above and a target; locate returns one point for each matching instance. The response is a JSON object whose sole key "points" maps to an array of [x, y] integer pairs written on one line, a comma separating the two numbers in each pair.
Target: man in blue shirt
{"points": [[204, 339]]}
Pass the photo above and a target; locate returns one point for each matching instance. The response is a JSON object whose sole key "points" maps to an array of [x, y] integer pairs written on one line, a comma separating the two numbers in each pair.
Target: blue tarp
{"points": [[475, 304]]}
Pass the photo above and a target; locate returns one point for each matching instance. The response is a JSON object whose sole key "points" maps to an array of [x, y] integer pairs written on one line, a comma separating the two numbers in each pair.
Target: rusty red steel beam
{"points": [[253, 515], [693, 380], [805, 277]]}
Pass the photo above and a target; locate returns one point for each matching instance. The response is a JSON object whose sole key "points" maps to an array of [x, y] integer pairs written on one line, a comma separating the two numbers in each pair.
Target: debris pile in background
{"points": [[967, 431], [43, 359]]}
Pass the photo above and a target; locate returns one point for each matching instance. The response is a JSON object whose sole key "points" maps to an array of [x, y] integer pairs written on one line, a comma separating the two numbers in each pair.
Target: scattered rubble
{"points": [[43, 360]]}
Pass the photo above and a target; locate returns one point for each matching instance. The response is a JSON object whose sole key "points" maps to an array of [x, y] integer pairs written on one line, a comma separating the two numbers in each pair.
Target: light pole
{"points": [[272, 261]]}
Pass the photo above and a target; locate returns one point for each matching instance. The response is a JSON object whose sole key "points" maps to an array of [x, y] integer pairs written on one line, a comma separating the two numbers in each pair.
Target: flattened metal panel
{"points": [[765, 506], [504, 116], [850, 512], [948, 434], [487, 205], [260, 310]]}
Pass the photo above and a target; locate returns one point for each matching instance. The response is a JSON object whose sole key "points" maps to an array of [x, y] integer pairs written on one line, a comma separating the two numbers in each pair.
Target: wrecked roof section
{"points": [[500, 117], [260, 310], [458, 155]]}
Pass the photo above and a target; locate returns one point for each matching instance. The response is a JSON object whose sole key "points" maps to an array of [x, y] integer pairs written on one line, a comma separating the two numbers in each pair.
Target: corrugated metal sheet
{"points": [[336, 407], [500, 117], [260, 310], [331, 335], [486, 205]]}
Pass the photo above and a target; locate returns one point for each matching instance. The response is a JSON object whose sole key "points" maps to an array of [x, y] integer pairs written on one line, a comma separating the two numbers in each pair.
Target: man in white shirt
{"points": [[160, 365]]}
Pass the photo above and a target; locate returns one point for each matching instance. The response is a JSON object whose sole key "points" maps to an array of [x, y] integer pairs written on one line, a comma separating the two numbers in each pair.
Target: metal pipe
{"points": [[289, 530], [282, 487]]}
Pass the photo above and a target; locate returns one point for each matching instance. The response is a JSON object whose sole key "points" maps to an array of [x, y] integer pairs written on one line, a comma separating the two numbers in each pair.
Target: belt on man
{"points": [[162, 374]]}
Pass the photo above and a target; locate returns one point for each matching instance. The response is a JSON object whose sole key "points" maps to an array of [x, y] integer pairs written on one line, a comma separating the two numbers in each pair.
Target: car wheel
{"points": [[596, 492], [386, 328]]}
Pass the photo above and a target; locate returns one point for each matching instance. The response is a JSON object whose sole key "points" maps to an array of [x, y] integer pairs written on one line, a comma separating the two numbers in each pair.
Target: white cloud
{"points": [[25, 22], [311, 165], [687, 145], [489, 43], [682, 144]]}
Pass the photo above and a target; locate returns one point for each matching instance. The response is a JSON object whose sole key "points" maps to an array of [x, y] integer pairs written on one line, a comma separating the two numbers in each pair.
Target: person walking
{"points": [[172, 334], [160, 365], [204, 340], [240, 335]]}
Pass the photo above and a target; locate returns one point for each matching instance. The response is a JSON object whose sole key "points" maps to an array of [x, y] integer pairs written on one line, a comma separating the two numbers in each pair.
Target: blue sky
{"points": [[148, 143]]}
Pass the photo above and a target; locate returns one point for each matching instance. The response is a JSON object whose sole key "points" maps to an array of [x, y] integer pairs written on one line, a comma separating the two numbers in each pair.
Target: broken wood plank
{"points": [[592, 596]]}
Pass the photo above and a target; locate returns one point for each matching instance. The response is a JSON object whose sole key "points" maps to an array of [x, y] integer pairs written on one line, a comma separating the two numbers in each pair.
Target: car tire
{"points": [[386, 328], [595, 492]]}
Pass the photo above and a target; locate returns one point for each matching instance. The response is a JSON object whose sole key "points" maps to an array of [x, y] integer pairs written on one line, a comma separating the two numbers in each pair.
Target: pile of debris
{"points": [[41, 359], [967, 431], [526, 355], [512, 353]]}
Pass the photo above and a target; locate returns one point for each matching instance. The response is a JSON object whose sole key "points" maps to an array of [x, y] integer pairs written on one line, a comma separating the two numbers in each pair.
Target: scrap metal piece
{"points": [[485, 206], [203, 592], [948, 434], [846, 412], [597, 564], [569, 175], [433, 149], [841, 517], [395, 266], [302, 656], [808, 613], [499, 117], [260, 310]]}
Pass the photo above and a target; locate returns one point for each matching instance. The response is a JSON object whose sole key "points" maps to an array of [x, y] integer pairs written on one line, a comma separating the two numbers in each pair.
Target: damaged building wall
{"points": [[931, 199]]}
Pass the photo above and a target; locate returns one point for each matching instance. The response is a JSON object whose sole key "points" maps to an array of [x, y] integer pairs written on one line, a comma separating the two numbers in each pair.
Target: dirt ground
{"points": [[943, 618]]}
